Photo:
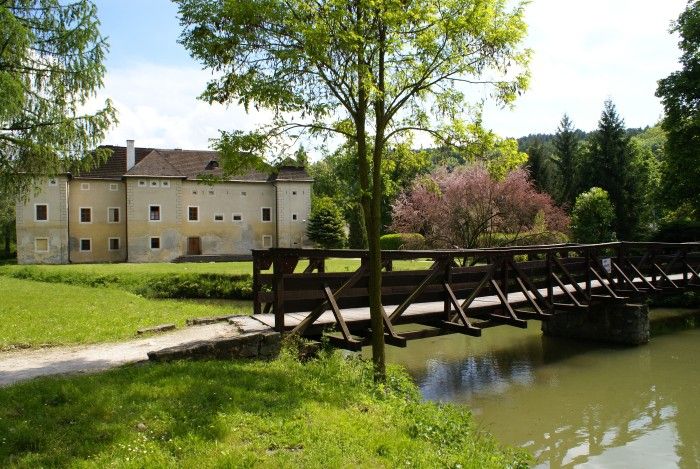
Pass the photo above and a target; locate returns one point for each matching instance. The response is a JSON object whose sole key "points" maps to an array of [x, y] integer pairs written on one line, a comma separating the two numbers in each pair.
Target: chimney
{"points": [[130, 154]]}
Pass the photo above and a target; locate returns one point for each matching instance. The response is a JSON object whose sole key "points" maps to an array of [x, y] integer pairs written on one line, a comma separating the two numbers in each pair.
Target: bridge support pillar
{"points": [[606, 322]]}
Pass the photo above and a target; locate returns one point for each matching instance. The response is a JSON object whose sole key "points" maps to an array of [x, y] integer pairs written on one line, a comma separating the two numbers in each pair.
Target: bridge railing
{"points": [[541, 278]]}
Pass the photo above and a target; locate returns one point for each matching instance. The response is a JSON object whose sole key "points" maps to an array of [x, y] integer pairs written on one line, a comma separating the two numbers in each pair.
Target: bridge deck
{"points": [[361, 315]]}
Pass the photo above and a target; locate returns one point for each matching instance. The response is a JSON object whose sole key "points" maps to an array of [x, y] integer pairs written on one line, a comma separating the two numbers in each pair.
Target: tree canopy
{"points": [[370, 72], [51, 55], [680, 93]]}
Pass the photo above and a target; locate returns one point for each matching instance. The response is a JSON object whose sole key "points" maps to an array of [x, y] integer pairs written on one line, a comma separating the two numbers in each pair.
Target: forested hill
{"points": [[525, 142]]}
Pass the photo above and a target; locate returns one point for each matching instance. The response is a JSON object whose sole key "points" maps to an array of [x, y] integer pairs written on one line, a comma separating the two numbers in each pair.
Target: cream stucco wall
{"points": [[97, 195], [293, 199], [165, 193], [54, 230], [226, 199]]}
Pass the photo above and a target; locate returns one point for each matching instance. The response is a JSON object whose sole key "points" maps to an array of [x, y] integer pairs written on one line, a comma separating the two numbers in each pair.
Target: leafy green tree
{"points": [[326, 227], [610, 163], [370, 72], [566, 155], [357, 233], [592, 217], [51, 55], [7, 221], [680, 93]]}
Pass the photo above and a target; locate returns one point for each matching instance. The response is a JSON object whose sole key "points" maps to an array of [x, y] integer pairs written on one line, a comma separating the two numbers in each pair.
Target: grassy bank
{"points": [[325, 413], [225, 280], [35, 313]]}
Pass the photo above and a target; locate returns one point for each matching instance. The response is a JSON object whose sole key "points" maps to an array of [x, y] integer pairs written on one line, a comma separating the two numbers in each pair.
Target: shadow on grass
{"points": [[60, 421]]}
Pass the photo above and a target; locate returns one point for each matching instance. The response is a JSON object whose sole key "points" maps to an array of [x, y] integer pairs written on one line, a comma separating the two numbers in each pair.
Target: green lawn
{"points": [[35, 313], [325, 413]]}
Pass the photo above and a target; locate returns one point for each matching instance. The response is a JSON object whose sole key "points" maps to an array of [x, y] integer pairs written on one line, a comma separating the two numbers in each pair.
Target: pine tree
{"points": [[609, 164], [566, 144], [326, 227], [539, 165]]}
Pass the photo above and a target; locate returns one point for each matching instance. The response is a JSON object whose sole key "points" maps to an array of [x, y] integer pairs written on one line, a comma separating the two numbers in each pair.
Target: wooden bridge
{"points": [[461, 291]]}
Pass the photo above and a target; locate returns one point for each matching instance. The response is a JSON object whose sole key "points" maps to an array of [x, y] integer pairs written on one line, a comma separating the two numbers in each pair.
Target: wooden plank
{"points": [[668, 279], [512, 318], [437, 268], [460, 312], [489, 275], [338, 316], [570, 278], [566, 291], [319, 310]]}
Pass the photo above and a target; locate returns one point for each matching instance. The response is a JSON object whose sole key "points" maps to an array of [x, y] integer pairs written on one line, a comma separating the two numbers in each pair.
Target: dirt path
{"points": [[20, 365]]}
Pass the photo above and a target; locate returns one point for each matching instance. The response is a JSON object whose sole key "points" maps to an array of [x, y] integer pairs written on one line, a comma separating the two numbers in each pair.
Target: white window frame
{"points": [[262, 218], [233, 217], [160, 213], [48, 246], [188, 214], [109, 244], [143, 183], [264, 237], [80, 244], [47, 213], [80, 215], [109, 209], [218, 215], [154, 183], [84, 186], [165, 184], [150, 243], [113, 186]]}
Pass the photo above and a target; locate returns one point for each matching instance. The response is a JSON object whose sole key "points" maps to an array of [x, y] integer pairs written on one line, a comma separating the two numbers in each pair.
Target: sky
{"points": [[584, 52]]}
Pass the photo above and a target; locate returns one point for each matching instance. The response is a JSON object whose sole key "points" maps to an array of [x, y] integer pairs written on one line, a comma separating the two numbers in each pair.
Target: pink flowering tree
{"points": [[468, 208]]}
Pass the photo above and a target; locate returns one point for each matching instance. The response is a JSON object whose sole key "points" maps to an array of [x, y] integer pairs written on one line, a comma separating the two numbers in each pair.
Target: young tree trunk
{"points": [[8, 239]]}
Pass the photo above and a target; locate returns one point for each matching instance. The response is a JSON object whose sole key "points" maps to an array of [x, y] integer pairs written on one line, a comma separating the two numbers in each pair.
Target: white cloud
{"points": [[158, 107], [585, 52]]}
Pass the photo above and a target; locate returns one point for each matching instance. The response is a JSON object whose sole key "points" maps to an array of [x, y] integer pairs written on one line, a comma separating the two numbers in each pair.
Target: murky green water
{"points": [[571, 404]]}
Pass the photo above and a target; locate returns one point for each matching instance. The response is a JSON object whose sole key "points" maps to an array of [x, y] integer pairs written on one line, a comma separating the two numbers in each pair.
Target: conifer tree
{"points": [[326, 227], [566, 145], [609, 164], [539, 165]]}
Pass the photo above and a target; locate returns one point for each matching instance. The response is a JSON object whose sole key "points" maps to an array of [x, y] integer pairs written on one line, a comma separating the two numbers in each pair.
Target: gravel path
{"points": [[20, 365]]}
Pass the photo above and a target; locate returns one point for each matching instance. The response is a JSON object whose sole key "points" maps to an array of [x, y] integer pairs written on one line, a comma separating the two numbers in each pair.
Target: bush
{"points": [[678, 231], [326, 226], [592, 217], [396, 241], [524, 239], [152, 285]]}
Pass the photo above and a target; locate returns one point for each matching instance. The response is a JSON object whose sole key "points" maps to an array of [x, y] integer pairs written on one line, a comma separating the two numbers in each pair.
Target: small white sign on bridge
{"points": [[607, 265]]}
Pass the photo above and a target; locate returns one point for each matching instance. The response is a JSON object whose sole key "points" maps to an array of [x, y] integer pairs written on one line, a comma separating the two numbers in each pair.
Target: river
{"points": [[569, 403]]}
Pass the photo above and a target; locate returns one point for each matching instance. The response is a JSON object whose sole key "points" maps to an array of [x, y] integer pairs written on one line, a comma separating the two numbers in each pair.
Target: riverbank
{"points": [[283, 413]]}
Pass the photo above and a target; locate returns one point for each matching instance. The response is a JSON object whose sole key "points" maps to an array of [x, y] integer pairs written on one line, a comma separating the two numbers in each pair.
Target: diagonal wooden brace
{"points": [[467, 326], [435, 271], [338, 316]]}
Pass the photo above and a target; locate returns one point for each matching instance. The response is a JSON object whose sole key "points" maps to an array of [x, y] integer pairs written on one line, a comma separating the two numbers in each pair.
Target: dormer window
{"points": [[213, 164]]}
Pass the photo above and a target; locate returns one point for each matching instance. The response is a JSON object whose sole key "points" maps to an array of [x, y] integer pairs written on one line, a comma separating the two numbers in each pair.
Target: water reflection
{"points": [[571, 403]]}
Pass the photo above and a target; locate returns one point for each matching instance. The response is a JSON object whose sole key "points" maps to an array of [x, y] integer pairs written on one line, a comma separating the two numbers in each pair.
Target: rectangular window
{"points": [[113, 244], [113, 215], [165, 183], [154, 212], [85, 245], [294, 192], [192, 213], [267, 241], [294, 216], [219, 217], [142, 183], [41, 244], [41, 212], [266, 214], [243, 193], [85, 215], [155, 243], [113, 186], [84, 186], [53, 182], [154, 184], [236, 217]]}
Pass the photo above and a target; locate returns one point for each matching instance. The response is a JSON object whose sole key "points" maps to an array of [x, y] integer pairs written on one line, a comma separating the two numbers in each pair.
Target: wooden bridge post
{"points": [[588, 272], [448, 281], [550, 285], [278, 285], [257, 309]]}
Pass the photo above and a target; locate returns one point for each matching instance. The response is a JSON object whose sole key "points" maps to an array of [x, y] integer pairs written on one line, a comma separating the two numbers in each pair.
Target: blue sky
{"points": [[585, 51]]}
